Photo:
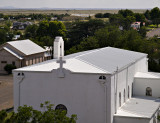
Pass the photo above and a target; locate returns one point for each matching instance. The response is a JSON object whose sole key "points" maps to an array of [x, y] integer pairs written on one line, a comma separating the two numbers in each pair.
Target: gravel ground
{"points": [[6, 91]]}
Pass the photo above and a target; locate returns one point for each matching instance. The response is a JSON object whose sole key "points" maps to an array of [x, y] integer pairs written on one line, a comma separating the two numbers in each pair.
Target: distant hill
{"points": [[46, 8]]}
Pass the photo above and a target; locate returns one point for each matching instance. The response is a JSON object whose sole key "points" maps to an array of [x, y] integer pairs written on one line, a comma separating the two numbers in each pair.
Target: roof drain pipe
{"points": [[20, 77], [116, 72], [103, 83]]}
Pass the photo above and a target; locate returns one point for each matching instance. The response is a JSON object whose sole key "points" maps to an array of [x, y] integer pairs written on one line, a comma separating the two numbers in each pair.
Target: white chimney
{"points": [[58, 47]]}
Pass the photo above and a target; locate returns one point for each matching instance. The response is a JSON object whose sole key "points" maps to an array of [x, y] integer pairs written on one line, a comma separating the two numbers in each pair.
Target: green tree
{"points": [[125, 13], [139, 17], [155, 13], [127, 22], [8, 23], [56, 28], [46, 41], [88, 44], [116, 19], [26, 114], [31, 31], [147, 14], [99, 15], [156, 21], [106, 15], [1, 15], [143, 31], [43, 28], [9, 67], [2, 36], [79, 30], [108, 36], [6, 17]]}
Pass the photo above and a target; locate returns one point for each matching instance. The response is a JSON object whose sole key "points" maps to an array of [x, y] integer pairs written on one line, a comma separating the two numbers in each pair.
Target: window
{"points": [[102, 78], [61, 107], [13, 63], [128, 92], [148, 91], [119, 99], [124, 95], [3, 61]]}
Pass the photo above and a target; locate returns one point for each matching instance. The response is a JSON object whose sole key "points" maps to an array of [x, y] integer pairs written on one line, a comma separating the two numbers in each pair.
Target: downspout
{"points": [[103, 83], [20, 77], [127, 85], [105, 102], [116, 72]]}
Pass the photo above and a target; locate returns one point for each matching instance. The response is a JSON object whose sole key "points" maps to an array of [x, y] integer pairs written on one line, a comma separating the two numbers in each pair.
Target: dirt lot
{"points": [[6, 91]]}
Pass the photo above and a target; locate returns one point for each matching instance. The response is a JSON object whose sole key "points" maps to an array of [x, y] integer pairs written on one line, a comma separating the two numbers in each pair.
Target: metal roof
{"points": [[110, 58], [136, 107], [103, 60], [27, 47], [13, 53]]}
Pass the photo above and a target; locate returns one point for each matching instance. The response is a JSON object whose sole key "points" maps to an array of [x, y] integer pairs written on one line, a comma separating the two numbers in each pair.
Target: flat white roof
{"points": [[27, 47], [143, 107], [103, 60], [152, 75]]}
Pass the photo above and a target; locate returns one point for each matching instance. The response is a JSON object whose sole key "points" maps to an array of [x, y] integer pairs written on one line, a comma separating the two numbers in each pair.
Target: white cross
{"points": [[61, 61]]}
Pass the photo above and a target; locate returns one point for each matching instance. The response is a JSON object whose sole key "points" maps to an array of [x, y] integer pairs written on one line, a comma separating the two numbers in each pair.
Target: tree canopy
{"points": [[26, 114]]}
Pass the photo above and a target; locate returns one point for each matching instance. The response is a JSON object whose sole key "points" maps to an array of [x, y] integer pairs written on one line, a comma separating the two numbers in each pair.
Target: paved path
{"points": [[6, 91], [153, 32]]}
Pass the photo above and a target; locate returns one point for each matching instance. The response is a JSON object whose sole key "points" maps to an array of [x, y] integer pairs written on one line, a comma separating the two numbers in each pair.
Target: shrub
{"points": [[26, 114], [9, 67]]}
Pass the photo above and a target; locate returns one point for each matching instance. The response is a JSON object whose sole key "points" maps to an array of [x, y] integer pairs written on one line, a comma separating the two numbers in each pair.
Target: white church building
{"points": [[106, 85]]}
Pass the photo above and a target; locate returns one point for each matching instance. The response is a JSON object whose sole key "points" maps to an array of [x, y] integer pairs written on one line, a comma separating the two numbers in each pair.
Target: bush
{"points": [[26, 114], [99, 15], [9, 67]]}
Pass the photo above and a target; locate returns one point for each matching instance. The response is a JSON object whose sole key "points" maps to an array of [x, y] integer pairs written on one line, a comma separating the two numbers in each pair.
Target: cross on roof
{"points": [[61, 61]]}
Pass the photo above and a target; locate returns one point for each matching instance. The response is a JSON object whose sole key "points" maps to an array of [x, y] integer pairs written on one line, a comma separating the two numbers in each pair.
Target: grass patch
{"points": [[153, 26]]}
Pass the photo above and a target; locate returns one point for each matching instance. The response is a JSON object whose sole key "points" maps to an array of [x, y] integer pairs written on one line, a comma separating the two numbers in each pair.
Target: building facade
{"points": [[97, 85], [20, 53]]}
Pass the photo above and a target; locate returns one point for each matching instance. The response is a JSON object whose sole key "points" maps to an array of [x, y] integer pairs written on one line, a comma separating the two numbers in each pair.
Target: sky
{"points": [[80, 3]]}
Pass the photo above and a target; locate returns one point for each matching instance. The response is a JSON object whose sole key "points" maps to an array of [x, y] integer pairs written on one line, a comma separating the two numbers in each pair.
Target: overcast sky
{"points": [[81, 3]]}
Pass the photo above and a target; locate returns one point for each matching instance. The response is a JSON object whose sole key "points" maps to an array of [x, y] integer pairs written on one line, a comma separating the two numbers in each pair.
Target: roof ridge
{"points": [[91, 52], [91, 65]]}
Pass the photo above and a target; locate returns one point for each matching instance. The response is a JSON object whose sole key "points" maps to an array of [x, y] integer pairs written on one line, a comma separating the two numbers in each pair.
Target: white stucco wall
{"points": [[130, 120], [82, 94], [124, 80], [141, 84], [142, 65]]}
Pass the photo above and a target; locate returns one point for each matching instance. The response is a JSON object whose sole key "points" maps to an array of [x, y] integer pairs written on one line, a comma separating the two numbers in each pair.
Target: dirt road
{"points": [[6, 91]]}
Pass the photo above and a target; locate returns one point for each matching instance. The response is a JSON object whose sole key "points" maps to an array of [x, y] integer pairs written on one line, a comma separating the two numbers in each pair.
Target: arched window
{"points": [[61, 107], [119, 99], [128, 92], [148, 91], [124, 95], [102, 78]]}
